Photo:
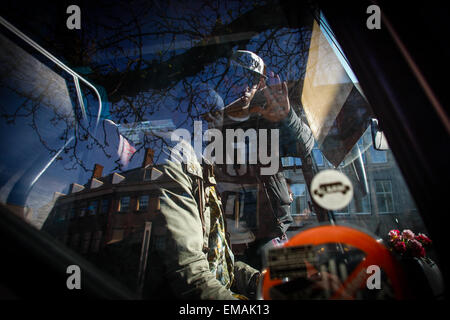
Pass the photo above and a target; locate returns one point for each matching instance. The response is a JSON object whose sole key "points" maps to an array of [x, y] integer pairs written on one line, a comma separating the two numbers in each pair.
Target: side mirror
{"points": [[378, 138]]}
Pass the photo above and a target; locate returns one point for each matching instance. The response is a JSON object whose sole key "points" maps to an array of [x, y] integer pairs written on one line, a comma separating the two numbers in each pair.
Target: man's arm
{"points": [[293, 127], [186, 264], [279, 110]]}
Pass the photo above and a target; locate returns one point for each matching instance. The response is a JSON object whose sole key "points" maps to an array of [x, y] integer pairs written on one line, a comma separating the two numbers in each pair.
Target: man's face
{"points": [[244, 84], [249, 93]]}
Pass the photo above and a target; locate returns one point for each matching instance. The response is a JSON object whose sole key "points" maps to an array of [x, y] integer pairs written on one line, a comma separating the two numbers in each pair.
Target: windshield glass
{"points": [[83, 154]]}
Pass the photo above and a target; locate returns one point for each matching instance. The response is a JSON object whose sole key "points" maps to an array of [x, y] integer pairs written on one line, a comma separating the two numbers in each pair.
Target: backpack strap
{"points": [[201, 210], [194, 169]]}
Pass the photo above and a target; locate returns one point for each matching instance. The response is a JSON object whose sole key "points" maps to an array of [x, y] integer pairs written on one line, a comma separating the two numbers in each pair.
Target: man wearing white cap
{"points": [[255, 104]]}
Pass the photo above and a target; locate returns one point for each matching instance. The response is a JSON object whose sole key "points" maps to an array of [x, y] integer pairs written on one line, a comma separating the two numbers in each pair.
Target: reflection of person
{"points": [[190, 254], [263, 102]]}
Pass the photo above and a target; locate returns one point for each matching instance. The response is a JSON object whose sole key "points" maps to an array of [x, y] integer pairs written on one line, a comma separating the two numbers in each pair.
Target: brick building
{"points": [[108, 220]]}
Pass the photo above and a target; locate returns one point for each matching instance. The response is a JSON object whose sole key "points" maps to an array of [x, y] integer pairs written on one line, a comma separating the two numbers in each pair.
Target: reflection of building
{"points": [[387, 204], [108, 220]]}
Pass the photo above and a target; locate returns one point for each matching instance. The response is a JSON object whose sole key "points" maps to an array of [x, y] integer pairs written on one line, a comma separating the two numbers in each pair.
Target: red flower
{"points": [[400, 246], [408, 234], [394, 235], [416, 249], [423, 239], [408, 244]]}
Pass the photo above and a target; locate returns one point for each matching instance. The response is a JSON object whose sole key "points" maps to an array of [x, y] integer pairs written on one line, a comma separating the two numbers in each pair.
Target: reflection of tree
{"points": [[34, 96], [154, 56], [208, 37]]}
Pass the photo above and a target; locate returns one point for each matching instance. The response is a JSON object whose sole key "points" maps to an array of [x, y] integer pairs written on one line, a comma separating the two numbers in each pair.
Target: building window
{"points": [[359, 205], [83, 211], [299, 205], [105, 206], [385, 201], [124, 204], [286, 161], [93, 207], [143, 203], [290, 161]]}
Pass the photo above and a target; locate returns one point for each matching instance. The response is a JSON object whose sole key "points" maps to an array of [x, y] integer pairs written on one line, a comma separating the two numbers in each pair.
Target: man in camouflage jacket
{"points": [[190, 256]]}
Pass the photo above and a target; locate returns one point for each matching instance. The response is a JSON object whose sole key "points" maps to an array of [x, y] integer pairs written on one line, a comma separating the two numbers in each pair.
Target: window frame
{"points": [[120, 208], [102, 205], [377, 193], [146, 208], [95, 212]]}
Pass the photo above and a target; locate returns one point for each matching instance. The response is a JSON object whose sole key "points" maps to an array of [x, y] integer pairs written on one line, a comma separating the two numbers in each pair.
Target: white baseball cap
{"points": [[249, 60]]}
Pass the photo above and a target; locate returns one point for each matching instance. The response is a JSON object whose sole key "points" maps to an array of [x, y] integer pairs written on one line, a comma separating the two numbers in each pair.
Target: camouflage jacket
{"points": [[190, 256]]}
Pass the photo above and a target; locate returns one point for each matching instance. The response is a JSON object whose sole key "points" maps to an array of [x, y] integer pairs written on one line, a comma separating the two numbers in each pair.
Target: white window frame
{"points": [[384, 193]]}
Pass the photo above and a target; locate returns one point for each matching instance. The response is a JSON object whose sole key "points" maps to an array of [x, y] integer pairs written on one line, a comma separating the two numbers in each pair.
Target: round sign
{"points": [[331, 189]]}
